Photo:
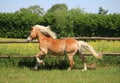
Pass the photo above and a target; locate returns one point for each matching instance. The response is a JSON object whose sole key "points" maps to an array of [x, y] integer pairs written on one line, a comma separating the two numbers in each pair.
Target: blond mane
{"points": [[46, 31]]}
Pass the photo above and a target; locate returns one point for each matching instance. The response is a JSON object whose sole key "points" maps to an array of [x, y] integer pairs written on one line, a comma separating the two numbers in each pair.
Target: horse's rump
{"points": [[71, 45]]}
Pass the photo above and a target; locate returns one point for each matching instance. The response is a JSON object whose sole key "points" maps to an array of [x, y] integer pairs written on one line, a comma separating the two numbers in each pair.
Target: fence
{"points": [[78, 38], [58, 62]]}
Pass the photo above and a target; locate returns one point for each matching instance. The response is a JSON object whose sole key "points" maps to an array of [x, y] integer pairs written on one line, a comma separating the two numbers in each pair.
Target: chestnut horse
{"points": [[49, 43]]}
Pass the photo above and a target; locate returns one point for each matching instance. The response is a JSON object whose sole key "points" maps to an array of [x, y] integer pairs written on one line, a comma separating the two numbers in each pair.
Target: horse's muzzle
{"points": [[29, 39]]}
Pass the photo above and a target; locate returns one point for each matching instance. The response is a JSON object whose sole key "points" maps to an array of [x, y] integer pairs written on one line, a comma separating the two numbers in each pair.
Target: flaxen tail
{"points": [[84, 46]]}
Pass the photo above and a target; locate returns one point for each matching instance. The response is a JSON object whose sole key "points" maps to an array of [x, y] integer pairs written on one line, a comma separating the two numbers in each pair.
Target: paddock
{"points": [[109, 57]]}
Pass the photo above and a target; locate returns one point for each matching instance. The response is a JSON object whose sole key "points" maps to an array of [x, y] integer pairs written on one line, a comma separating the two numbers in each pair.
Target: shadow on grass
{"points": [[57, 62]]}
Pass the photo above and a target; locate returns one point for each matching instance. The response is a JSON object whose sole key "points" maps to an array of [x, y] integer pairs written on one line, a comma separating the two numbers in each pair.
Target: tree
{"points": [[37, 10], [32, 9], [76, 11], [23, 10], [102, 11], [58, 7]]}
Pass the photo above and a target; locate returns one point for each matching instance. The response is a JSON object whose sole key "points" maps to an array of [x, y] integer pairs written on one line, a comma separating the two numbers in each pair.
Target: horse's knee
{"points": [[39, 54]]}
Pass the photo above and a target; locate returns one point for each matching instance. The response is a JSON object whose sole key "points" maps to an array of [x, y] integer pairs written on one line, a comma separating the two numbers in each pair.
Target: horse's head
{"points": [[44, 30], [32, 35]]}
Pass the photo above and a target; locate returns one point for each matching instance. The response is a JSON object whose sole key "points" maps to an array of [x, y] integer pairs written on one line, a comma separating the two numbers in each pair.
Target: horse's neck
{"points": [[40, 36]]}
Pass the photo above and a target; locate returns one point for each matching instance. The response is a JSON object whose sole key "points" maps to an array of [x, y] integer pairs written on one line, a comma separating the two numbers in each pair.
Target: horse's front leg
{"points": [[38, 59]]}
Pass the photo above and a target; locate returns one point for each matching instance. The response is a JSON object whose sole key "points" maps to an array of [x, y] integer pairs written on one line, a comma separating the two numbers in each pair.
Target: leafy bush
{"points": [[58, 62], [17, 25], [64, 23]]}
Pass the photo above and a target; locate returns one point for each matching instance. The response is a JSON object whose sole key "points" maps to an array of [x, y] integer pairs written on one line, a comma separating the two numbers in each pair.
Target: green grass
{"points": [[19, 49], [106, 46], [25, 75]]}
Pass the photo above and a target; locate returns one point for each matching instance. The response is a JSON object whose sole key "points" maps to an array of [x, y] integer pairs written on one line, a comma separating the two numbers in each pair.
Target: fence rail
{"points": [[98, 38], [78, 38], [86, 54]]}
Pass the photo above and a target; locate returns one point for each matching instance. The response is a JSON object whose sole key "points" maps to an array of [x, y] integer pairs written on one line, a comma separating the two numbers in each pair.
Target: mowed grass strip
{"points": [[25, 75]]}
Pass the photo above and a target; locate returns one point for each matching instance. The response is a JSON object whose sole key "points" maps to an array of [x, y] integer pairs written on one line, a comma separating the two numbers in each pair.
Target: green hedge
{"points": [[17, 25]]}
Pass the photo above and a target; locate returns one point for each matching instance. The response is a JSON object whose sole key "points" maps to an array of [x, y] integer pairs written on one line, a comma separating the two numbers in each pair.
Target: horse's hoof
{"points": [[33, 69], [69, 69], [84, 69]]}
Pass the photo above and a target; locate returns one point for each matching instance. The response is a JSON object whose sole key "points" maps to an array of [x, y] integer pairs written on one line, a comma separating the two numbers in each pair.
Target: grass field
{"points": [[25, 75]]}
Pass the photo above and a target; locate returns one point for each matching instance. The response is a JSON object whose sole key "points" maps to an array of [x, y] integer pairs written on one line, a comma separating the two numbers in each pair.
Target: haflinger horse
{"points": [[48, 42]]}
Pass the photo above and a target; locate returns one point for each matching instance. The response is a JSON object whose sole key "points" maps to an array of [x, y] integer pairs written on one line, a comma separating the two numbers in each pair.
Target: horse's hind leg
{"points": [[84, 62], [71, 62]]}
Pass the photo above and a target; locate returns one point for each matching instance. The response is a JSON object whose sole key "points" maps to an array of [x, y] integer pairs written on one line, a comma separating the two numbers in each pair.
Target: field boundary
{"points": [[78, 38]]}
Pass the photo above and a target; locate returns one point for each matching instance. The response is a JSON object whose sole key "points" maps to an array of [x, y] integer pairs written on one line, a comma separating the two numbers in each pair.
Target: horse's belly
{"points": [[57, 50], [56, 53]]}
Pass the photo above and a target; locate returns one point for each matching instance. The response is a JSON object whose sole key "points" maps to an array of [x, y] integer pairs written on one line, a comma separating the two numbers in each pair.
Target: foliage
{"points": [[64, 22], [17, 25], [58, 7], [97, 25], [32, 9]]}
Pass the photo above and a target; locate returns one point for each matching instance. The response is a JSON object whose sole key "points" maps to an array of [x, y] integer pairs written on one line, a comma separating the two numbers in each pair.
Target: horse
{"points": [[48, 42]]}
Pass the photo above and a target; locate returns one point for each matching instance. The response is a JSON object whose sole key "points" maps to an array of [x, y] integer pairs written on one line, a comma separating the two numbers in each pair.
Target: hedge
{"points": [[17, 25], [59, 62]]}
